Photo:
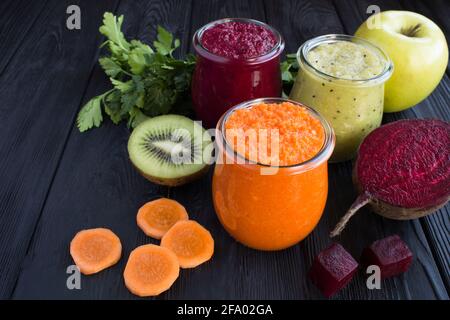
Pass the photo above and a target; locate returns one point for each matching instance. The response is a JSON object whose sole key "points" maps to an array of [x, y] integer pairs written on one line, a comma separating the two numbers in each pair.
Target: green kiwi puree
{"points": [[335, 78]]}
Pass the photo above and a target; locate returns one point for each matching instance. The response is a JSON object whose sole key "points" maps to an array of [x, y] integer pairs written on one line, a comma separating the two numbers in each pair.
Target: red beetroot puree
{"points": [[237, 60], [238, 40]]}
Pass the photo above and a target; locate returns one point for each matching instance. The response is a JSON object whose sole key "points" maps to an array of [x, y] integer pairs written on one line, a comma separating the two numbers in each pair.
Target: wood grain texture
{"points": [[95, 185], [353, 12], [436, 106], [299, 21], [18, 17], [40, 90]]}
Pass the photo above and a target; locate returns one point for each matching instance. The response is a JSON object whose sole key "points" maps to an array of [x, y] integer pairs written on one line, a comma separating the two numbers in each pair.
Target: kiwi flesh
{"points": [[170, 150]]}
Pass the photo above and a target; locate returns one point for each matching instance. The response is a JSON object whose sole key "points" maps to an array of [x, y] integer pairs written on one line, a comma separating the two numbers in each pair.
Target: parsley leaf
{"points": [[164, 43], [111, 28], [121, 86], [110, 67], [91, 114], [112, 106], [137, 56]]}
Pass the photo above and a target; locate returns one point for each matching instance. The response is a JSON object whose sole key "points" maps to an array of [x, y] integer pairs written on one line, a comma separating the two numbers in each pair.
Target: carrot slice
{"points": [[150, 270], [191, 242], [156, 217], [95, 249]]}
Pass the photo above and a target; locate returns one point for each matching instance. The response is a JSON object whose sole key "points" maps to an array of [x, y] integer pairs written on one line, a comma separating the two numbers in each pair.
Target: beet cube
{"points": [[332, 269], [391, 254]]}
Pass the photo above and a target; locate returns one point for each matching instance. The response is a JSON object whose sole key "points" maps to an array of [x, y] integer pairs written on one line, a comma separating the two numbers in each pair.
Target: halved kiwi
{"points": [[170, 150]]}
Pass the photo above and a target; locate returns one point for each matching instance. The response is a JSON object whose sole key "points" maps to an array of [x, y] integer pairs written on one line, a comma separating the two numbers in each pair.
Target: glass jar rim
{"points": [[383, 76], [322, 155], [200, 49]]}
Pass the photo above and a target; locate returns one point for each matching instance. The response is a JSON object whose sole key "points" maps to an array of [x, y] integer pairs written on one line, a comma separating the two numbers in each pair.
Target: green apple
{"points": [[418, 50]]}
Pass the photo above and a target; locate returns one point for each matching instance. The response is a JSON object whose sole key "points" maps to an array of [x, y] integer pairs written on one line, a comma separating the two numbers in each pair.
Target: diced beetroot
{"points": [[332, 269], [391, 254]]}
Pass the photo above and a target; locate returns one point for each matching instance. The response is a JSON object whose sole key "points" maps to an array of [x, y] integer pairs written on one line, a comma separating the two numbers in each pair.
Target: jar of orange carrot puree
{"points": [[270, 182]]}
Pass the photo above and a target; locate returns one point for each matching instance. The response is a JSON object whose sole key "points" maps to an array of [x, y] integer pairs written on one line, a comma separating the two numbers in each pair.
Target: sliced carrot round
{"points": [[150, 270], [191, 243], [156, 217], [95, 249]]}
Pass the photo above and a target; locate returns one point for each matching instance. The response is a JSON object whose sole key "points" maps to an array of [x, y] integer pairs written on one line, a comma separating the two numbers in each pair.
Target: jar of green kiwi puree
{"points": [[342, 77]]}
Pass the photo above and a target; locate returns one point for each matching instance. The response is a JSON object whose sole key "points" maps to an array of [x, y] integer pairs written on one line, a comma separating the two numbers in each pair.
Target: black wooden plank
{"points": [[438, 230], [299, 21], [18, 17], [437, 225], [353, 13], [40, 91], [95, 184]]}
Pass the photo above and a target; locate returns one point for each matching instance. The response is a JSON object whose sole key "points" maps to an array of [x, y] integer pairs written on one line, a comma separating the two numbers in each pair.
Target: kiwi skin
{"points": [[393, 212], [175, 182]]}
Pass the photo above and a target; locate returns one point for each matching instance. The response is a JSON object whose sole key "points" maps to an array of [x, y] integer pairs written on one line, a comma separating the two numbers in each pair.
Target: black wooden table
{"points": [[55, 181]]}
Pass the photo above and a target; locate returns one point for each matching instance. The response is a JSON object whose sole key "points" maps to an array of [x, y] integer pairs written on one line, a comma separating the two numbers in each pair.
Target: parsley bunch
{"points": [[146, 82]]}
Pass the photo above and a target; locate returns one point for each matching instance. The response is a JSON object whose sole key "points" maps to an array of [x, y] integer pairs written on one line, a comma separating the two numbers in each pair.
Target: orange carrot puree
{"points": [[301, 135], [271, 212]]}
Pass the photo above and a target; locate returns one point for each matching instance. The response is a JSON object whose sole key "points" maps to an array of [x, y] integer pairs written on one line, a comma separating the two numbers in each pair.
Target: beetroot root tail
{"points": [[360, 202]]}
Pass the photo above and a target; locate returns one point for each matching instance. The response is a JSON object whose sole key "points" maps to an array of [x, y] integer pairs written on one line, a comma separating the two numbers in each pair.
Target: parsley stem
{"points": [[125, 72], [105, 94]]}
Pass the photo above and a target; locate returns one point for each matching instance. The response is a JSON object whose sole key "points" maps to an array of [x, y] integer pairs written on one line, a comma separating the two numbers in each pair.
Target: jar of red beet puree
{"points": [[237, 60]]}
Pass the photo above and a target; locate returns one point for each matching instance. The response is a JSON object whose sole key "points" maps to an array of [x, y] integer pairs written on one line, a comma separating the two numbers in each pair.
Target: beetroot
{"points": [[403, 170], [332, 269], [391, 254]]}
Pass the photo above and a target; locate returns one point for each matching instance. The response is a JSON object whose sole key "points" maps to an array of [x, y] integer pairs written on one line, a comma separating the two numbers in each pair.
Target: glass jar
{"points": [[353, 107], [219, 82], [267, 207]]}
